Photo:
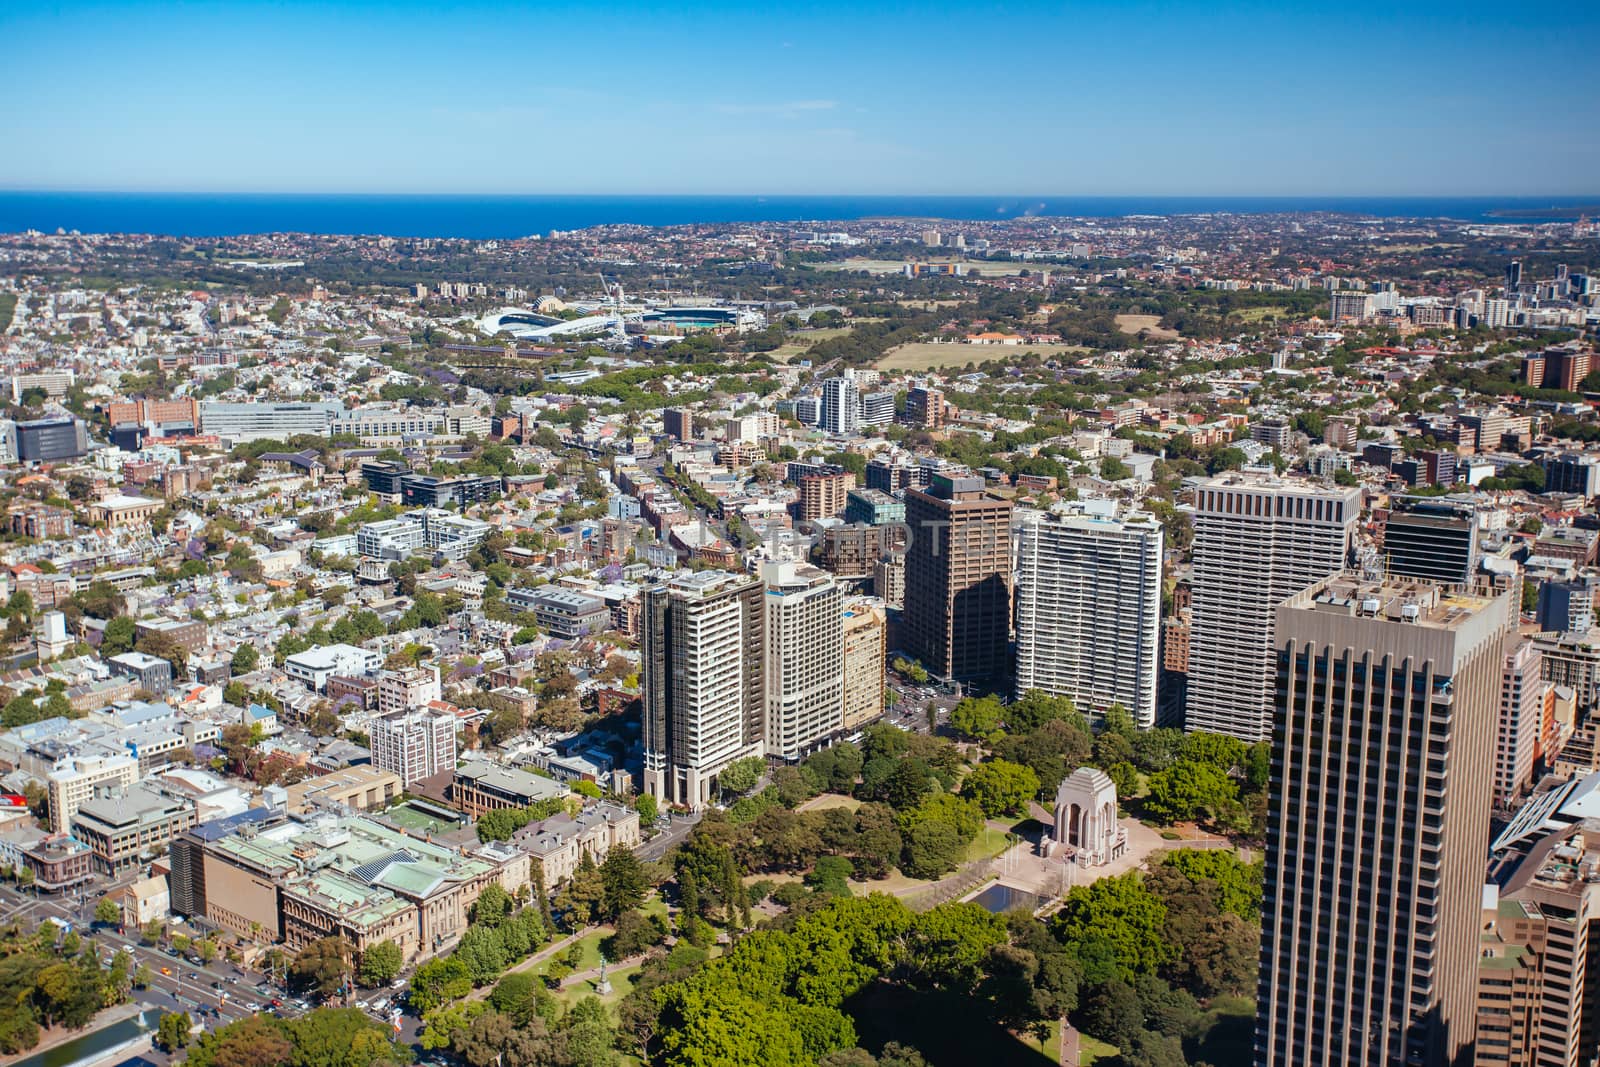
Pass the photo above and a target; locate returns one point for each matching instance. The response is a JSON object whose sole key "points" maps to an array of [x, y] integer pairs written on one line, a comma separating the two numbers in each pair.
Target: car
{"points": [[193, 976], [216, 985], [167, 971], [275, 1002], [253, 1007]]}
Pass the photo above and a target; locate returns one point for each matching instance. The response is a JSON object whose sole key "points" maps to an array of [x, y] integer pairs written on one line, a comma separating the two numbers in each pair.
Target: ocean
{"points": [[214, 215]]}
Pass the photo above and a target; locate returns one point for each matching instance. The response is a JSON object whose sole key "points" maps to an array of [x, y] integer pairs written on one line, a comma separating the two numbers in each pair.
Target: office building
{"points": [[127, 827], [478, 787], [423, 491], [702, 645], [865, 643], [841, 405], [413, 744], [1258, 540], [560, 612], [51, 440], [804, 663], [73, 779], [1572, 472], [1089, 608], [957, 615], [1378, 823], [1566, 606], [873, 507], [1432, 538], [152, 673], [255, 422], [877, 409], [315, 666], [1519, 725], [889, 580], [384, 476]]}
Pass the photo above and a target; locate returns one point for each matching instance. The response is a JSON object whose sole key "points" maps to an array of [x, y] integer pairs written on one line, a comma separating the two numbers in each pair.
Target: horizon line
{"points": [[76, 191]]}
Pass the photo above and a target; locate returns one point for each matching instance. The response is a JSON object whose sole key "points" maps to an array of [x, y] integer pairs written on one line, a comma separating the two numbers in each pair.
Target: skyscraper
{"points": [[702, 643], [804, 662], [1089, 608], [841, 405], [877, 409], [1521, 720], [1378, 823], [1258, 540], [864, 656], [958, 565]]}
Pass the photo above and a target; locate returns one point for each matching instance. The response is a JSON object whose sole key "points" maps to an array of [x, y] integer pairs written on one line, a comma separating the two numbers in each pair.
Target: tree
{"points": [[440, 980], [380, 964], [1188, 790], [483, 953], [245, 658], [118, 636], [1118, 720], [172, 1032], [1001, 787], [978, 718], [1121, 915], [623, 882], [646, 806], [585, 893], [322, 966], [741, 775], [932, 847], [1113, 1014], [1222, 752], [106, 912], [492, 906]]}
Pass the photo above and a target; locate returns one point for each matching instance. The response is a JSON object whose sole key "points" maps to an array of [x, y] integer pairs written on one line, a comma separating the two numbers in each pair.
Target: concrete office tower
{"points": [[841, 405], [702, 642], [1432, 538], [1258, 540], [957, 615], [1378, 823], [803, 672], [1089, 608], [865, 639], [1520, 723]]}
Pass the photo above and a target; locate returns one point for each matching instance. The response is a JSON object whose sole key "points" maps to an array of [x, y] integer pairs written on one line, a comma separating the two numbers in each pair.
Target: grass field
{"points": [[408, 818], [830, 800], [1091, 1049], [8, 308], [1151, 324], [989, 842], [926, 355]]}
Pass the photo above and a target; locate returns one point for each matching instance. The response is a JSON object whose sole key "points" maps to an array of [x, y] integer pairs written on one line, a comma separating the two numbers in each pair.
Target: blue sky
{"points": [[442, 96]]}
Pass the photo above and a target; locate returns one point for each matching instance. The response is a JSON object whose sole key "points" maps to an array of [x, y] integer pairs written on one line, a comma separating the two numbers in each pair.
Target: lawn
{"points": [[830, 800], [8, 308], [1091, 1049], [927, 355], [622, 979], [408, 818], [1151, 324], [988, 844]]}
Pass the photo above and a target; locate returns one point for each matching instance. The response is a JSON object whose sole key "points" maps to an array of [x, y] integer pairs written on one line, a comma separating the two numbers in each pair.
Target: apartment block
{"points": [[414, 744], [1089, 608], [803, 680], [865, 643]]}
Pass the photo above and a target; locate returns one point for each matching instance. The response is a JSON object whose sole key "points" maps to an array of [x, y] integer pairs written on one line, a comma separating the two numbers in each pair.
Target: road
{"points": [[236, 988], [658, 845]]}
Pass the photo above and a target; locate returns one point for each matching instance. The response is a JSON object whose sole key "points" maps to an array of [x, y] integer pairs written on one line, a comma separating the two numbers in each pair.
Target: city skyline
{"points": [[1246, 100]]}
